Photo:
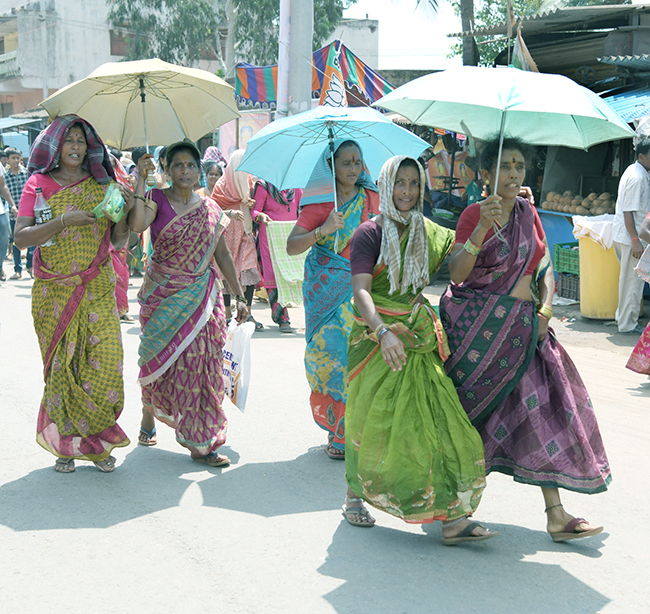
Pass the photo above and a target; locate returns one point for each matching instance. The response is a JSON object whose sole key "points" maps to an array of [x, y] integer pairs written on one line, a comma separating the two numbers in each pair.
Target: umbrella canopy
{"points": [[179, 102], [538, 108], [285, 152]]}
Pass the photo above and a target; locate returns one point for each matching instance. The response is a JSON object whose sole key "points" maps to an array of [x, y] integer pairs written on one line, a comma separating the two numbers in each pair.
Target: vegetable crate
{"points": [[566, 258], [568, 286]]}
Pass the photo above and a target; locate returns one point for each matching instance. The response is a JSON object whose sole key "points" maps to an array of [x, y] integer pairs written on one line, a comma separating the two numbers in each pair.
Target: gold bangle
{"points": [[318, 234], [470, 248], [62, 220], [545, 312]]}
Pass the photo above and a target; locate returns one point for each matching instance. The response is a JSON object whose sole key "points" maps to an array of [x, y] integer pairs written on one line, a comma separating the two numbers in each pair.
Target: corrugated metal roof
{"points": [[10, 122], [631, 104], [641, 61], [580, 17]]}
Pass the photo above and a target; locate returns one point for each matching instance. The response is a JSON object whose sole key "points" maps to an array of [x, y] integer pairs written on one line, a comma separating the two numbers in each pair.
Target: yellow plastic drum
{"points": [[599, 273]]}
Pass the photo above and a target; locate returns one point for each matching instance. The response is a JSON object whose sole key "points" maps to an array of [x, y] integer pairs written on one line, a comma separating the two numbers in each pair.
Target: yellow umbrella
{"points": [[118, 97]]}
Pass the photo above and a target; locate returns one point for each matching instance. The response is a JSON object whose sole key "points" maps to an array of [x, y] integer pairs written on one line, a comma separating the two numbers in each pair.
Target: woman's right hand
{"points": [[490, 210], [145, 165], [236, 214], [392, 350], [335, 221], [79, 218]]}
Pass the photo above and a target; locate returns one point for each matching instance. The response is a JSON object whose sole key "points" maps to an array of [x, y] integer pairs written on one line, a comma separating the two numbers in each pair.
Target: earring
{"points": [[487, 182]]}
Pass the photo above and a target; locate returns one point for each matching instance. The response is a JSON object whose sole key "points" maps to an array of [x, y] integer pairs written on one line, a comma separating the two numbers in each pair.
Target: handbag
{"points": [[642, 269], [237, 361]]}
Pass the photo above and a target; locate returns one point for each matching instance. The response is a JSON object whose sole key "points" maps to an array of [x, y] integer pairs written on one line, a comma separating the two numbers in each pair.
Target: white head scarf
{"points": [[416, 259]]}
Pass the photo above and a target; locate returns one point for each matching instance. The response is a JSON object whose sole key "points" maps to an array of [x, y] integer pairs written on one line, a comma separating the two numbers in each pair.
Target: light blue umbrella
{"points": [[538, 108], [286, 151]]}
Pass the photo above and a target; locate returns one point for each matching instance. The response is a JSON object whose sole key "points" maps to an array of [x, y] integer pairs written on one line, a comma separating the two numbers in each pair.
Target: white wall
{"points": [[361, 36]]}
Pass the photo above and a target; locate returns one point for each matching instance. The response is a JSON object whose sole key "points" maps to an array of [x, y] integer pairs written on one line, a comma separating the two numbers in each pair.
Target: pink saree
{"points": [[183, 330]]}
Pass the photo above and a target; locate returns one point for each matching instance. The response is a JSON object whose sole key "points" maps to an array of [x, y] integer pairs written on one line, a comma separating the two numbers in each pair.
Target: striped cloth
{"points": [[289, 270], [46, 149]]}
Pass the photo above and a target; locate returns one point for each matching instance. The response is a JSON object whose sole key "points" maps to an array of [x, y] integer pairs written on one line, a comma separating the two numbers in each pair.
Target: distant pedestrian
{"points": [[73, 296], [7, 207], [632, 205], [16, 178], [273, 205], [232, 192]]}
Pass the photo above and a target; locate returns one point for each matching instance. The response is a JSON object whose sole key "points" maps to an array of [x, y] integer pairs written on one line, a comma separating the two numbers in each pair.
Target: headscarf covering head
{"points": [[415, 274], [233, 189], [282, 197], [319, 188], [213, 153], [46, 150]]}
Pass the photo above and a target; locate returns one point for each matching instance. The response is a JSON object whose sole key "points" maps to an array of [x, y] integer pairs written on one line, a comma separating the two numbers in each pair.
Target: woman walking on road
{"points": [[516, 382], [327, 287], [273, 205], [232, 192], [181, 308], [410, 448], [73, 296]]}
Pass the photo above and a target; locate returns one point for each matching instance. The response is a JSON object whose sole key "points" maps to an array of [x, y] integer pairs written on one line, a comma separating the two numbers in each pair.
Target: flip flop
{"points": [[570, 532], [107, 465], [285, 327], [212, 459], [147, 437], [330, 451], [466, 535], [64, 465], [359, 510]]}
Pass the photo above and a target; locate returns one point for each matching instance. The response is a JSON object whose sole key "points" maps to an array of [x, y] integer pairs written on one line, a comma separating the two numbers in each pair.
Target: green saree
{"points": [[410, 449]]}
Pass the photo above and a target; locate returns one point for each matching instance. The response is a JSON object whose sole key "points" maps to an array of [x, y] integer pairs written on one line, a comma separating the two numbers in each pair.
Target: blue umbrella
{"points": [[286, 151]]}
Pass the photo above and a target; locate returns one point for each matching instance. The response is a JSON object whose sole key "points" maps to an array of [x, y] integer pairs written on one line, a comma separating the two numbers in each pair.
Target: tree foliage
{"points": [[181, 31], [177, 32], [493, 12], [256, 31]]}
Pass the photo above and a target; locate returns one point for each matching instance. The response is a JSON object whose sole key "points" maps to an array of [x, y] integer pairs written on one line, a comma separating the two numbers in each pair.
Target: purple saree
{"points": [[526, 398], [183, 329]]}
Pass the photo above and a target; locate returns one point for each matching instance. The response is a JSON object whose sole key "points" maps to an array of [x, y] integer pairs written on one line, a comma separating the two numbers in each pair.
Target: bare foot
{"points": [[456, 529]]}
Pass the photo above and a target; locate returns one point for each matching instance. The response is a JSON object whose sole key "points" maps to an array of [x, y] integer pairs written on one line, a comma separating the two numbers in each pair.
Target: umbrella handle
{"points": [[336, 200], [150, 179]]}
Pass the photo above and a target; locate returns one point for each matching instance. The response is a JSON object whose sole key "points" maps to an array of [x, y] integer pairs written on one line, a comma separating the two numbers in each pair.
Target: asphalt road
{"points": [[165, 535]]}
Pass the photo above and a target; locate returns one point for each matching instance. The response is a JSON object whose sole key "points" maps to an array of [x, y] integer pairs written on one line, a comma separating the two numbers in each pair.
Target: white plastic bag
{"points": [[237, 361], [643, 267]]}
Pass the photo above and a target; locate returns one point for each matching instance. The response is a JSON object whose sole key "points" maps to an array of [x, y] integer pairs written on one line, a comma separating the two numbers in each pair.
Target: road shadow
{"points": [[150, 480], [386, 570]]}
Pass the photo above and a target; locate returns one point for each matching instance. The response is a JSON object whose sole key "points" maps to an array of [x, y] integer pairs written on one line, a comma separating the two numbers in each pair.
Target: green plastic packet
{"points": [[113, 204]]}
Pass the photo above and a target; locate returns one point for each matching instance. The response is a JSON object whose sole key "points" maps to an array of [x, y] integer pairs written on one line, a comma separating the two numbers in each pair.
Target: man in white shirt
{"points": [[632, 206]]}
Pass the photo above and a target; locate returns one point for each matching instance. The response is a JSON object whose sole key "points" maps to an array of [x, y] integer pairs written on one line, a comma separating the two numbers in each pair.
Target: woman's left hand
{"points": [[242, 313], [129, 200], [263, 218], [543, 327], [392, 350]]}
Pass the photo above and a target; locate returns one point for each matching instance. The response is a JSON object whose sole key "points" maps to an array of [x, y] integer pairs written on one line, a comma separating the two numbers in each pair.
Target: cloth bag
{"points": [[237, 361], [643, 268]]}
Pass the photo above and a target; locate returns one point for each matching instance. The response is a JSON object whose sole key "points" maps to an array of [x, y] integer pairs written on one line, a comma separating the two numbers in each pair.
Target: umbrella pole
{"points": [[336, 200], [144, 114], [497, 231]]}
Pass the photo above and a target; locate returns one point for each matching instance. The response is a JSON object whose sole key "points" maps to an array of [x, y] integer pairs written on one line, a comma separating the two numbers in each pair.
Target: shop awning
{"points": [[631, 104], [11, 122]]}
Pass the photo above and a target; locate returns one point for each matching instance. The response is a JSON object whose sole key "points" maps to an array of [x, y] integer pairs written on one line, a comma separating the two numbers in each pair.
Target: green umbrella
{"points": [[538, 108]]}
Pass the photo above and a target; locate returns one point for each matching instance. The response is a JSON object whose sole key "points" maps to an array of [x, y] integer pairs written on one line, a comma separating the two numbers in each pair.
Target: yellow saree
{"points": [[76, 321]]}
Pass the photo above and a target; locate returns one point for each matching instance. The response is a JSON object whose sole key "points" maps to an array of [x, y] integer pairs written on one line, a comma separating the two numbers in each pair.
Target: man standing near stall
{"points": [[632, 206], [16, 178]]}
